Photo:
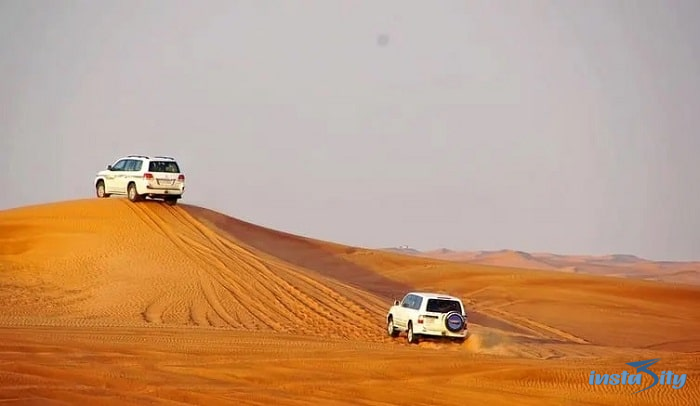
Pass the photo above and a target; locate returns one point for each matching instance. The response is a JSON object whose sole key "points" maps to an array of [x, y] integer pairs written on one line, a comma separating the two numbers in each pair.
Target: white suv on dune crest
{"points": [[428, 315], [140, 176]]}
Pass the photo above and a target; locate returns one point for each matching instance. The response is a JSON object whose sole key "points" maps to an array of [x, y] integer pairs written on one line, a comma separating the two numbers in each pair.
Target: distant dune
{"points": [[628, 266], [109, 302]]}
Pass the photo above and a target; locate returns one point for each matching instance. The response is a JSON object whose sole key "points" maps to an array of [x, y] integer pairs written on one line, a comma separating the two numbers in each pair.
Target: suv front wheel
{"points": [[100, 190], [390, 329]]}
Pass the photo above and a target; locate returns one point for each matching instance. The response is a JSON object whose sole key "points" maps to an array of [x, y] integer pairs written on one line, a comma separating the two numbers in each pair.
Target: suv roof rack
{"points": [[165, 157], [137, 156]]}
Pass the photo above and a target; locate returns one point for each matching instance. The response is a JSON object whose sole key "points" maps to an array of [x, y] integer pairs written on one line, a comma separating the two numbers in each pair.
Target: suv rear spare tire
{"points": [[454, 322]]}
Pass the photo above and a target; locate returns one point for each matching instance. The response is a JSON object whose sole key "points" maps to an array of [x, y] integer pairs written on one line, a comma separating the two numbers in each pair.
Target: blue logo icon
{"points": [[670, 378]]}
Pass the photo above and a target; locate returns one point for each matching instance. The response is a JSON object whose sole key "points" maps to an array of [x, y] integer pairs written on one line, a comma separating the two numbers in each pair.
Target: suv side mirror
{"points": [[396, 302], [109, 167]]}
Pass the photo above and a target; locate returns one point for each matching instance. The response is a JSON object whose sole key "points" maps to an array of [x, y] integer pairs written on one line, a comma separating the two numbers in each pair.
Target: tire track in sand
{"points": [[207, 285], [289, 280], [254, 259], [288, 293], [248, 292], [542, 329], [222, 262], [324, 299]]}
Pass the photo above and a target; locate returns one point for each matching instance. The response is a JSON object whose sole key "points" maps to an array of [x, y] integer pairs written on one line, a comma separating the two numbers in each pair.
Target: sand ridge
{"points": [[173, 270], [119, 303], [626, 266]]}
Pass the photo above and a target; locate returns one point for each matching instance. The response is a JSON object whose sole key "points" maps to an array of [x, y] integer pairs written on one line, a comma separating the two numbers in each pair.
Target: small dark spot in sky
{"points": [[382, 39]]}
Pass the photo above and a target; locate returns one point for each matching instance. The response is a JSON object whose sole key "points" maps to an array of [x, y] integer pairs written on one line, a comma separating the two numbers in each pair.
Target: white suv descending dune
{"points": [[139, 176], [429, 315]]}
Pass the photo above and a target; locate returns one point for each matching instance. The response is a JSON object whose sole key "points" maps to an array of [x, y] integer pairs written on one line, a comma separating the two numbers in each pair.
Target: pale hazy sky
{"points": [[560, 126]]}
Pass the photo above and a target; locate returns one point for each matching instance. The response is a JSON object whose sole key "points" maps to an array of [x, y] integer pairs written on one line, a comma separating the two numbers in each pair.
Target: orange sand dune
{"points": [[109, 302], [609, 265], [128, 264]]}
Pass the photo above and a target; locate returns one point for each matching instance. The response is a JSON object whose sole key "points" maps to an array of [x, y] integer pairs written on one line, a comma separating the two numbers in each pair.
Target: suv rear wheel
{"points": [[410, 337], [132, 193]]}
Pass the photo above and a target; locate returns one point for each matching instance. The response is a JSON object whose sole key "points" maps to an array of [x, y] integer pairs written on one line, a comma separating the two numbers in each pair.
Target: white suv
{"points": [[139, 176], [429, 315]]}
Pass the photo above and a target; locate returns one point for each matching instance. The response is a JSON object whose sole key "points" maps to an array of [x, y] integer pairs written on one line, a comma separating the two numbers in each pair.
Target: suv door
{"points": [[131, 171], [406, 310], [113, 178], [399, 317], [413, 308]]}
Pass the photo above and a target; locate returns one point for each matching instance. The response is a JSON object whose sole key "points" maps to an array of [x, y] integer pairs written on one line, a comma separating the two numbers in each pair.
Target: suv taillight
{"points": [[181, 178], [147, 176], [420, 319]]}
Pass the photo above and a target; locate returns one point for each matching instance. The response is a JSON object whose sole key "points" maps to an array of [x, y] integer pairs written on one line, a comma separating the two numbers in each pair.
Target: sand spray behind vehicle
{"points": [[487, 341], [481, 340]]}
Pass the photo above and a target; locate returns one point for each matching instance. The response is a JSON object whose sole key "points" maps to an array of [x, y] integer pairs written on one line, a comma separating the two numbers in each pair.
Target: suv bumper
{"points": [[149, 189], [444, 333], [163, 193]]}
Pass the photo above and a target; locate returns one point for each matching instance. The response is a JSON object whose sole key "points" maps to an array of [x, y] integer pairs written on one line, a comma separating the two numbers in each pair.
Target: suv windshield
{"points": [[163, 166], [443, 306]]}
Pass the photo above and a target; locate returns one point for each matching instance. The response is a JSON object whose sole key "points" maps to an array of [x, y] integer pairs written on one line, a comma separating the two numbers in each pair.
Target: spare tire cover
{"points": [[454, 321]]}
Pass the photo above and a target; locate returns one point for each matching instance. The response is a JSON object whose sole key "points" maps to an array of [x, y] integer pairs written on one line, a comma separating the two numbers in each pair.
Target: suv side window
{"points": [[418, 301], [133, 165], [119, 166], [412, 302]]}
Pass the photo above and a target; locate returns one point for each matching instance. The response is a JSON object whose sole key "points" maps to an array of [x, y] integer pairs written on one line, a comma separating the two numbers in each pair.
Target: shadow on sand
{"points": [[302, 252]]}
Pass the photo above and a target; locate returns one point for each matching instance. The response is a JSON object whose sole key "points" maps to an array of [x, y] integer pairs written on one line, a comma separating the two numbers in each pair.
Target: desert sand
{"points": [[109, 302], [616, 265]]}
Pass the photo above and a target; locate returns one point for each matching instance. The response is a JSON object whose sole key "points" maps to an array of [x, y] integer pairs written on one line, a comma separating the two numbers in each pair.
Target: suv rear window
{"points": [[163, 166], [443, 306]]}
